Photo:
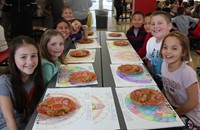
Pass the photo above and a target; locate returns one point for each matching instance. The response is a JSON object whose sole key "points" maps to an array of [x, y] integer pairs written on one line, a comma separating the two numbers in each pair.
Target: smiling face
{"points": [[67, 14], [137, 20], [172, 51], [160, 27], [64, 29], [147, 24], [76, 26], [55, 46], [26, 59]]}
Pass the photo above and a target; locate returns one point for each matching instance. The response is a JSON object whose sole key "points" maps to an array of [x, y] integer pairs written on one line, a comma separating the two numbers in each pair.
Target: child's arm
{"points": [[8, 112], [85, 31], [193, 100]]}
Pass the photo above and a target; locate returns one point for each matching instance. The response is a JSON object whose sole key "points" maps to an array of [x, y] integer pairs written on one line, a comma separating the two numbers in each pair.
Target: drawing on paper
{"points": [[160, 113], [45, 122], [65, 71], [137, 78], [126, 56], [100, 108]]}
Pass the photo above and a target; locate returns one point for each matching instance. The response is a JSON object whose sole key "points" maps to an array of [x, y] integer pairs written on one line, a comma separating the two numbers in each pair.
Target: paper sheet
{"points": [[150, 117], [123, 80], [66, 70], [103, 116], [112, 38], [95, 44], [93, 36], [89, 58], [112, 46], [124, 56]]}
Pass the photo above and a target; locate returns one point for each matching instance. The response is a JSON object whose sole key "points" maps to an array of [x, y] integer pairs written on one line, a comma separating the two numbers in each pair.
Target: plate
{"points": [[147, 97], [79, 53], [86, 40], [82, 77], [121, 43], [130, 69], [56, 106], [90, 33], [115, 34]]}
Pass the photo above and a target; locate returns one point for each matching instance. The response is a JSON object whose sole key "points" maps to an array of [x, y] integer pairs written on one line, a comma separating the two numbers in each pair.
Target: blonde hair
{"points": [[164, 14], [184, 42]]}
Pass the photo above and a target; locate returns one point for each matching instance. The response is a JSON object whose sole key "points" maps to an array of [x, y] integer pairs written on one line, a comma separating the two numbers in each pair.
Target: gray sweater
{"points": [[183, 23]]}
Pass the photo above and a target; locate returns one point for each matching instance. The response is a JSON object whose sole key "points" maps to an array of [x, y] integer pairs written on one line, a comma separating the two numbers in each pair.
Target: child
{"points": [[78, 30], [160, 26], [21, 86], [52, 46], [67, 14], [136, 34], [184, 22], [64, 27], [173, 10], [147, 26], [179, 80]]}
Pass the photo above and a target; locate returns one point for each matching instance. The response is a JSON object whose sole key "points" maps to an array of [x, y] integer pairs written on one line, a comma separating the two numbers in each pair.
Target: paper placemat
{"points": [[89, 58], [124, 56], [95, 109], [123, 36], [111, 45], [94, 36], [66, 70], [95, 44], [149, 117], [123, 80]]}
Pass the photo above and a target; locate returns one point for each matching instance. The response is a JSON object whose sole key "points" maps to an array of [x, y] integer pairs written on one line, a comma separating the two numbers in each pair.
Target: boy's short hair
{"points": [[66, 7], [138, 13], [180, 10], [166, 15]]}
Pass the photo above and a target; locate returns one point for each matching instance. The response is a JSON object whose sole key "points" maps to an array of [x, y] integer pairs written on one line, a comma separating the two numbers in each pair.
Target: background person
{"points": [[80, 9]]}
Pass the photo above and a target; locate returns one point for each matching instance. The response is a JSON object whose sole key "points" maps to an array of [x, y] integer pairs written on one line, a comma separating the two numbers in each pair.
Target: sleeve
{"points": [[191, 76], [47, 70], [194, 23], [147, 49], [4, 86], [142, 51]]}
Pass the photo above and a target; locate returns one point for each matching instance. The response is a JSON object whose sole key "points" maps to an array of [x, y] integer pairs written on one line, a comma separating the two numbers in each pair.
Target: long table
{"points": [[104, 78]]}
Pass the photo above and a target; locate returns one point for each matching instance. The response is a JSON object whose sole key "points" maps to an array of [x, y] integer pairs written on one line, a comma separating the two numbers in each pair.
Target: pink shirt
{"points": [[175, 85]]}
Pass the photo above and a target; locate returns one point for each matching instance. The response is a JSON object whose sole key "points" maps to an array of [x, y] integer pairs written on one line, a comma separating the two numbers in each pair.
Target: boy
{"points": [[147, 26], [160, 26], [136, 34], [67, 14], [183, 22]]}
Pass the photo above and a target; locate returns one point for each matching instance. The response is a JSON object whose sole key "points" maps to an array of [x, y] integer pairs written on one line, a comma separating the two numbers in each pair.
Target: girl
{"points": [[21, 85], [64, 27], [52, 46], [78, 30], [179, 80]]}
